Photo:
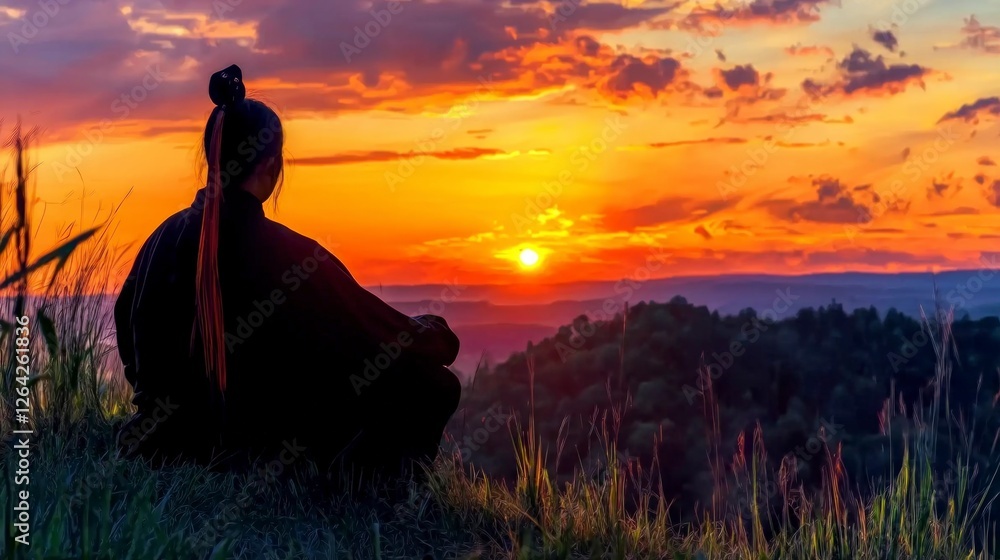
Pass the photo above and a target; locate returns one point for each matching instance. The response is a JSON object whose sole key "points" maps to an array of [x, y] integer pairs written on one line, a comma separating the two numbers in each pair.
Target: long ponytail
{"points": [[208, 292], [226, 88]]}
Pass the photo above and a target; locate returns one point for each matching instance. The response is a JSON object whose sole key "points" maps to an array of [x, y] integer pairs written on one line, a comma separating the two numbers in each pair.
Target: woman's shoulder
{"points": [[300, 247], [175, 227], [291, 238]]}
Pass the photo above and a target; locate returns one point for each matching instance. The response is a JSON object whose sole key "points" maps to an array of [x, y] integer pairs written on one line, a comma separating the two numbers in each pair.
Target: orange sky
{"points": [[780, 137]]}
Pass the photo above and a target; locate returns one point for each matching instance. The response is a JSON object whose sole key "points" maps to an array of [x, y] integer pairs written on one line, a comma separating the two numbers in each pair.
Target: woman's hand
{"points": [[433, 326]]}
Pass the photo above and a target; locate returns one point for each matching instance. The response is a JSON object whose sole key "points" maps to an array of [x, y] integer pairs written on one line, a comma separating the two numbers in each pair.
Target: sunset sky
{"points": [[772, 136]]}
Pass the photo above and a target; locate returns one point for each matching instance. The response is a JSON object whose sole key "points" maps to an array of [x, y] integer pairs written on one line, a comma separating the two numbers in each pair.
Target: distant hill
{"points": [[978, 291], [502, 319], [494, 343], [823, 375]]}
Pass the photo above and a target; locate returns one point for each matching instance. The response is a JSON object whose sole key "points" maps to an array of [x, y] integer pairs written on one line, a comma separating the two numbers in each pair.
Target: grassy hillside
{"points": [[84, 502]]}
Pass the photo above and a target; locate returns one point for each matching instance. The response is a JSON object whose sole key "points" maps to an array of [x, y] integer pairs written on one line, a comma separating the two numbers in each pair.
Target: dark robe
{"points": [[317, 366]]}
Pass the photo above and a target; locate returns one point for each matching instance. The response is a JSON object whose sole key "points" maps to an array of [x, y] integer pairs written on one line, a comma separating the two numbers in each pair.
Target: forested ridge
{"points": [[813, 382]]}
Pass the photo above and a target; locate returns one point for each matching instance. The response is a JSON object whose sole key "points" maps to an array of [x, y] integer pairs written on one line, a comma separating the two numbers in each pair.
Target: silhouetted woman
{"points": [[241, 337]]}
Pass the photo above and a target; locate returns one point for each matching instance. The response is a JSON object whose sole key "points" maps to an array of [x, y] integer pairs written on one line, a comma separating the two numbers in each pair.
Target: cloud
{"points": [[312, 57], [986, 161], [960, 211], [480, 133], [675, 143], [588, 46], [700, 230], [992, 193], [980, 37], [745, 75], [879, 258], [386, 155], [603, 16], [440, 44], [783, 144], [861, 72], [770, 12], [667, 210], [944, 186], [707, 260], [55, 67], [885, 38], [835, 203], [713, 92], [884, 230], [743, 86], [154, 128], [971, 112], [650, 77], [793, 117], [809, 50]]}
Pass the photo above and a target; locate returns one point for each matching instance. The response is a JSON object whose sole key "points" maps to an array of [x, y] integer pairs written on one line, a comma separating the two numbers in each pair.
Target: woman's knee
{"points": [[450, 389]]}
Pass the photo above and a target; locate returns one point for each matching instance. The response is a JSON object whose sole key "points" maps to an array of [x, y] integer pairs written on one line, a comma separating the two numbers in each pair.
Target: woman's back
{"points": [[239, 334], [273, 337]]}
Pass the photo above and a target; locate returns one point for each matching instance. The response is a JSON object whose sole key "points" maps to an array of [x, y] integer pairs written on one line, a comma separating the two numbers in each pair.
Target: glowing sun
{"points": [[528, 257]]}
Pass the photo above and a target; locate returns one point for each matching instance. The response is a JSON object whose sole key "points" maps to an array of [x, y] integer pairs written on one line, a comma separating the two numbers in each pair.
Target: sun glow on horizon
{"points": [[528, 257], [555, 158]]}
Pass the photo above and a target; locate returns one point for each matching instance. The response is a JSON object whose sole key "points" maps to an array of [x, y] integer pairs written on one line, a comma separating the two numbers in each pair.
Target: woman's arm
{"points": [[427, 338], [123, 326], [125, 316], [124, 306]]}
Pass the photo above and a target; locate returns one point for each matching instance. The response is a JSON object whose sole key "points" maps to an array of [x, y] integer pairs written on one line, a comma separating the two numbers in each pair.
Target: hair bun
{"points": [[226, 86]]}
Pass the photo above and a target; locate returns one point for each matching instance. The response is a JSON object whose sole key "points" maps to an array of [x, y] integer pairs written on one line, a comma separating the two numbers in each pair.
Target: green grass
{"points": [[87, 503]]}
